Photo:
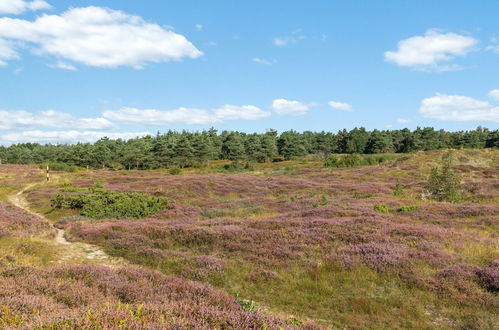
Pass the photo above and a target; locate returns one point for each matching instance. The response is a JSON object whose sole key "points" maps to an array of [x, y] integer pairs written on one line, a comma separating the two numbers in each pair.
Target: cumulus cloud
{"points": [[285, 107], [494, 94], [20, 119], [429, 51], [341, 106], [245, 112], [96, 36], [263, 61], [65, 137], [458, 108], [188, 116], [20, 6], [7, 52]]}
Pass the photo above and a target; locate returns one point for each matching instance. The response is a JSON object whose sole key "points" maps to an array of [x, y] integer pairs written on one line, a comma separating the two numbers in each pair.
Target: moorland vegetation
{"points": [[409, 242]]}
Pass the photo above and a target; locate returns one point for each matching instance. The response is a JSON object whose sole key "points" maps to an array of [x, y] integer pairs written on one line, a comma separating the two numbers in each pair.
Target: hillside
{"points": [[283, 244]]}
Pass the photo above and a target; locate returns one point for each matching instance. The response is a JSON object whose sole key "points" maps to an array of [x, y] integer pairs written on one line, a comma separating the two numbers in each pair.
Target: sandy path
{"points": [[73, 252]]}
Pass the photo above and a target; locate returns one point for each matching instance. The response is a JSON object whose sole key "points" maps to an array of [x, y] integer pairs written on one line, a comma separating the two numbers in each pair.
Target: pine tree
{"points": [[233, 147], [183, 152], [290, 145]]}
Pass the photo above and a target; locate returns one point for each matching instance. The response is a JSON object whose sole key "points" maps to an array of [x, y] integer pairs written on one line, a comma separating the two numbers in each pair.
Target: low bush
{"points": [[175, 170], [99, 203], [235, 167], [409, 208], [443, 183], [358, 195], [353, 160], [381, 208]]}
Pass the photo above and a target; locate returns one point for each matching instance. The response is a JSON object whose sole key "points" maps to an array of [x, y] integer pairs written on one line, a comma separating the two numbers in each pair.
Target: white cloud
{"points": [[19, 119], [20, 6], [428, 51], [295, 37], [245, 112], [263, 61], [458, 108], [285, 107], [64, 137], [199, 27], [99, 37], [6, 52], [341, 106], [188, 116], [402, 120], [494, 94]]}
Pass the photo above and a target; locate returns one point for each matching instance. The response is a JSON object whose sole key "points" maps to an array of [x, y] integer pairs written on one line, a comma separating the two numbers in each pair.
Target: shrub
{"points": [[246, 304], [100, 203], [409, 208], [443, 183], [381, 208], [175, 170], [237, 167], [489, 276], [353, 160], [358, 195]]}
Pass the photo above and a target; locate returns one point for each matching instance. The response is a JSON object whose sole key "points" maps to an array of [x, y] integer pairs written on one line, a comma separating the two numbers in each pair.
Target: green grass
{"points": [[28, 251]]}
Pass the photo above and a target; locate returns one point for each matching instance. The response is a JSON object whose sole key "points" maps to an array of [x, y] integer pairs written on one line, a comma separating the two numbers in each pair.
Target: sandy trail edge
{"points": [[73, 252]]}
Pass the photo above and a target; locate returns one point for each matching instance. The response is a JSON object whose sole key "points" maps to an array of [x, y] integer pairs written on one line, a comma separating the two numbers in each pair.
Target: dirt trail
{"points": [[72, 252]]}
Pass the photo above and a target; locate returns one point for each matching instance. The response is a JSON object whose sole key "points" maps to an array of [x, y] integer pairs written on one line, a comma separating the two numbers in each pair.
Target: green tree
{"points": [[201, 149], [290, 145], [379, 142], [183, 152], [233, 147], [268, 146], [443, 183]]}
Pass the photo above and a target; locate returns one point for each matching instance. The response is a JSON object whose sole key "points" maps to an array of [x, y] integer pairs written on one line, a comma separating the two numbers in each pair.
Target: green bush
{"points": [[235, 167], [175, 170], [409, 208], [353, 160], [443, 183], [99, 203], [358, 195], [381, 208], [246, 304]]}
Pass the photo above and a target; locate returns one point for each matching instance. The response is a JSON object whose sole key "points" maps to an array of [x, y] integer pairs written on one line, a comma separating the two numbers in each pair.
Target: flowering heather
{"points": [[380, 256], [308, 242], [15, 221], [489, 276], [19, 175], [133, 298]]}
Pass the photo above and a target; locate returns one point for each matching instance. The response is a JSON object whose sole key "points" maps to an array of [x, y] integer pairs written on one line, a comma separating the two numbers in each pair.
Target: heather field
{"points": [[286, 244]]}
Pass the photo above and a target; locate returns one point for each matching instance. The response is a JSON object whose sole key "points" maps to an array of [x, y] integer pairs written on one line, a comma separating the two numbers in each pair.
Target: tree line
{"points": [[196, 149]]}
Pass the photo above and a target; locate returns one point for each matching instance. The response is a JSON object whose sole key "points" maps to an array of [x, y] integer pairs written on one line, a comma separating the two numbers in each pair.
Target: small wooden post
{"points": [[48, 175]]}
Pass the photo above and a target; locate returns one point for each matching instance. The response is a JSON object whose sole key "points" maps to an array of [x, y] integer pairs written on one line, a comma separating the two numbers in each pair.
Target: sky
{"points": [[80, 70]]}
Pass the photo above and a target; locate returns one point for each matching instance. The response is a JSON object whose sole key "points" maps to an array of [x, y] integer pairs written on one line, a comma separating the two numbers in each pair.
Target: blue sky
{"points": [[79, 70]]}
